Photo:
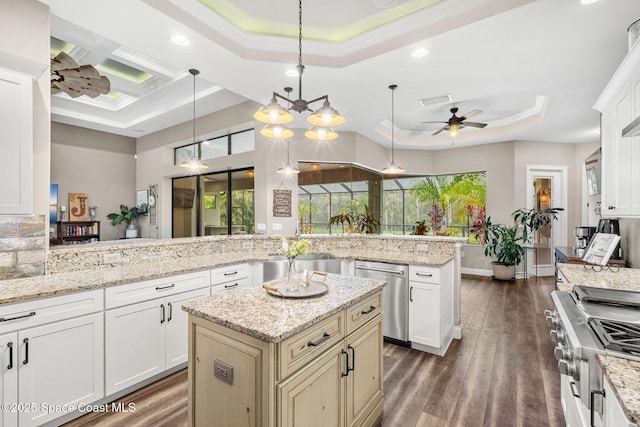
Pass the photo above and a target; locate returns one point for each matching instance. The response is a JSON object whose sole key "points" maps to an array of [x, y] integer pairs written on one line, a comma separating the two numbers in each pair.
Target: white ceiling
{"points": [[535, 67]]}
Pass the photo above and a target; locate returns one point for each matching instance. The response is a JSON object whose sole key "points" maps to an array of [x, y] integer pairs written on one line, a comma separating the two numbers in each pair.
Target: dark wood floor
{"points": [[503, 373]]}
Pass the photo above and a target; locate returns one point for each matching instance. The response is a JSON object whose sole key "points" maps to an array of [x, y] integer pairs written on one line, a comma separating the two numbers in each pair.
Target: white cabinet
{"points": [[613, 413], [146, 329], [52, 356], [431, 308], [230, 277]]}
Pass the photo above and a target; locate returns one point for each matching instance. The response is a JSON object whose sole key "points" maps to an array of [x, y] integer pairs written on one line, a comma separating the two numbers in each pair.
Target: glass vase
{"points": [[292, 281]]}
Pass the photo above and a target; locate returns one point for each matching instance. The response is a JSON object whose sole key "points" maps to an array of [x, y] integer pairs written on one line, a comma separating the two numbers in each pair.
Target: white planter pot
{"points": [[131, 232], [503, 272]]}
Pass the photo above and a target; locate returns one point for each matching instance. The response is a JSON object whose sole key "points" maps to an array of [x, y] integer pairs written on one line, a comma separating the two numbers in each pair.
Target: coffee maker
{"points": [[583, 236], [611, 226]]}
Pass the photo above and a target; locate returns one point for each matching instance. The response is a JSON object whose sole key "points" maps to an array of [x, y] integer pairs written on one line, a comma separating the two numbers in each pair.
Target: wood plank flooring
{"points": [[502, 373]]}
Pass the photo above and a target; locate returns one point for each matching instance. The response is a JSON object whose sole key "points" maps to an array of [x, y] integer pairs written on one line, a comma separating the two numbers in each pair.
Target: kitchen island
{"points": [[259, 359]]}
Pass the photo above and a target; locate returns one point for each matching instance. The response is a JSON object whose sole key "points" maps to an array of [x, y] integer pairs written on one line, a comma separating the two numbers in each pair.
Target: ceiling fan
{"points": [[75, 80], [455, 123]]}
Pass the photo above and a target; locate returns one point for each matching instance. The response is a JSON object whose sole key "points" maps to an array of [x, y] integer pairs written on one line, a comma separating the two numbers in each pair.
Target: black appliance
{"points": [[611, 226]]}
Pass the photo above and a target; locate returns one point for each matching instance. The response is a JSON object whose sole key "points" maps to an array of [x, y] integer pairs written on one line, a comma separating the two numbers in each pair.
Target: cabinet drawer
{"points": [[228, 286], [117, 296], [48, 310], [424, 274], [364, 311], [229, 273], [298, 350]]}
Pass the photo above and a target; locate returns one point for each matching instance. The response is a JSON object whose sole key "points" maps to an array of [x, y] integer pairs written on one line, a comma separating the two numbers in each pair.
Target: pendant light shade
{"points": [[321, 134], [273, 113], [287, 169], [194, 163], [276, 131], [392, 168], [326, 116]]}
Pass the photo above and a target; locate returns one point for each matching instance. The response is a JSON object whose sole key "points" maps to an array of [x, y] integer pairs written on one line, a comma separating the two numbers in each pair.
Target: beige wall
{"points": [[99, 164]]}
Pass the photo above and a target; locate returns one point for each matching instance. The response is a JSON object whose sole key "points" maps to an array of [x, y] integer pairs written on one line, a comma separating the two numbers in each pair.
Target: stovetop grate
{"points": [[617, 336]]}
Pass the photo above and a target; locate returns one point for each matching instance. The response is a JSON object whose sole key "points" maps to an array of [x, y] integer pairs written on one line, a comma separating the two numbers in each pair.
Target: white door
{"points": [[424, 314], [177, 329], [9, 378], [60, 364], [135, 342], [546, 188]]}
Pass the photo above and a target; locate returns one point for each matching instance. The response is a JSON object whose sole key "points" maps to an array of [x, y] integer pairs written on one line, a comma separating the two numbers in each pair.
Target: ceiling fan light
{"points": [[273, 113], [326, 116], [276, 132], [321, 134], [454, 130], [288, 170], [393, 169]]}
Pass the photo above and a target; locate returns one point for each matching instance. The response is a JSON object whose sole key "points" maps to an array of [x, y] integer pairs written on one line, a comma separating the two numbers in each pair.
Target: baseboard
{"points": [[456, 332], [476, 271]]}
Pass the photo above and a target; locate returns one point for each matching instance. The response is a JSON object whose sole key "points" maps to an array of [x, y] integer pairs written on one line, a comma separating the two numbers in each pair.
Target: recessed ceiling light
{"points": [[436, 100], [420, 52], [588, 1], [292, 72], [180, 40]]}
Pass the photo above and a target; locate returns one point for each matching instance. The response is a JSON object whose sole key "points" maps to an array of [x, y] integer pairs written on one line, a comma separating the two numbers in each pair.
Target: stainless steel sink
{"points": [[276, 265]]}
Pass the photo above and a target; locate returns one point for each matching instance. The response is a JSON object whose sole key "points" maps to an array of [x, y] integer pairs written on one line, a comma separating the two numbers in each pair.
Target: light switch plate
{"points": [[112, 258], [277, 226], [422, 247], [247, 245], [261, 226], [267, 245]]}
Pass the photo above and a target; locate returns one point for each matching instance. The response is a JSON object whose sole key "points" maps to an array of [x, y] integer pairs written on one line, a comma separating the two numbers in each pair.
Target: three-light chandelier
{"points": [[276, 116]]}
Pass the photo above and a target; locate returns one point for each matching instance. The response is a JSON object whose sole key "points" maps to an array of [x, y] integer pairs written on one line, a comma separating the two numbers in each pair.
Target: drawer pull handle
{"points": [[424, 274], [231, 286], [2, 319], [591, 398], [170, 312], [10, 347], [162, 288], [346, 364], [371, 308], [353, 359], [162, 314], [26, 351], [325, 336], [231, 273], [411, 293]]}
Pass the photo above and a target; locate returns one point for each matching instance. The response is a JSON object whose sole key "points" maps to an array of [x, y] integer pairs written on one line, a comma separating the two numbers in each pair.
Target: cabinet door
{"points": [[177, 345], [609, 159], [364, 382], [135, 342], [314, 396], [424, 313], [624, 173], [60, 364], [9, 378], [614, 415]]}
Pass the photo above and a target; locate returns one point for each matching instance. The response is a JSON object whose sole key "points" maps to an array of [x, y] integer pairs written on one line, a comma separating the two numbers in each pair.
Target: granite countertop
{"points": [[624, 377], [274, 319], [625, 279]]}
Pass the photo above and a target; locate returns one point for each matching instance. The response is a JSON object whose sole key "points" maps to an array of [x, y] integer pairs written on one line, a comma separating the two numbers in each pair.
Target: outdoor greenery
{"points": [[365, 222]]}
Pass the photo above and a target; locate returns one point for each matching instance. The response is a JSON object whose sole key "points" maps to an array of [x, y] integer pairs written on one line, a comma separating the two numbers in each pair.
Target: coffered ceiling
{"points": [[534, 67]]}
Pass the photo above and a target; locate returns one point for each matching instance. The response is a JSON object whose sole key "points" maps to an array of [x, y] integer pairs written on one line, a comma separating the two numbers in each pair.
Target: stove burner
{"points": [[617, 336]]}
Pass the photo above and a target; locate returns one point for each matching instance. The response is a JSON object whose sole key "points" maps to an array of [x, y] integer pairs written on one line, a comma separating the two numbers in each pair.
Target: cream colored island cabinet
{"points": [[261, 360]]}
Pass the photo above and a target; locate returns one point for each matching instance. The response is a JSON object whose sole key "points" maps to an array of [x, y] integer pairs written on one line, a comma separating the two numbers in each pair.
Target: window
{"points": [[221, 146]]}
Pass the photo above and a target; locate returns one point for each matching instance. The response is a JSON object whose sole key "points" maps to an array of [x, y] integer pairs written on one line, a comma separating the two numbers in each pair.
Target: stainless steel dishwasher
{"points": [[395, 303]]}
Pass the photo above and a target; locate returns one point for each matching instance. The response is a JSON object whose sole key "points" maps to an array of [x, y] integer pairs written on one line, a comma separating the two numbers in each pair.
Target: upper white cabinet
{"points": [[619, 104], [16, 143]]}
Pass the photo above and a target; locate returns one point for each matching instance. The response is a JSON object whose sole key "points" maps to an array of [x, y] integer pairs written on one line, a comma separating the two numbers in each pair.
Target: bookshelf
{"points": [[77, 232]]}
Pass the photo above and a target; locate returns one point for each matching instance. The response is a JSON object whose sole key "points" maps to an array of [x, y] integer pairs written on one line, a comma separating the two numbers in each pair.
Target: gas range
{"points": [[589, 321]]}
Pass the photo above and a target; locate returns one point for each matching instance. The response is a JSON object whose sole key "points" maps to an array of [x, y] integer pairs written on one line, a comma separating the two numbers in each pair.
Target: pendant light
{"points": [[288, 169], [324, 117], [194, 163], [392, 169]]}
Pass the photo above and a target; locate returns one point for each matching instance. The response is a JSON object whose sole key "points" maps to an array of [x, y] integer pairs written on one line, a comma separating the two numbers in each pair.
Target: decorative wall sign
{"points": [[281, 202], [78, 209]]}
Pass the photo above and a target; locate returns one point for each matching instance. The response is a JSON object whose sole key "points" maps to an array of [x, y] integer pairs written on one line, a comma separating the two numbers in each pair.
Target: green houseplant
{"points": [[365, 223], [506, 243], [128, 216]]}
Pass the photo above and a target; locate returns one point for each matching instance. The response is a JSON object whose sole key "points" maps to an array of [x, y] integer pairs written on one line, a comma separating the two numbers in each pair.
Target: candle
{"points": [[63, 208]]}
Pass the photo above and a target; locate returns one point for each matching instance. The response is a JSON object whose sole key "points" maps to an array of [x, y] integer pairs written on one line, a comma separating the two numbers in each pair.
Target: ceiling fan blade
{"points": [[55, 90], [66, 88], [435, 122], [439, 130], [101, 85], [63, 61], [471, 114], [86, 71], [475, 125]]}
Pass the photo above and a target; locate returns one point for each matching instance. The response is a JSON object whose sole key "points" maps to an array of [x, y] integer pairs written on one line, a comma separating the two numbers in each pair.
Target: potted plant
{"points": [[128, 216], [506, 243], [420, 228], [365, 223]]}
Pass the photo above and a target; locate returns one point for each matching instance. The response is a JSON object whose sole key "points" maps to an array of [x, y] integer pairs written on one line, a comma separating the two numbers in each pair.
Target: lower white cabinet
{"points": [[614, 415], [431, 307], [50, 367], [146, 338], [230, 277]]}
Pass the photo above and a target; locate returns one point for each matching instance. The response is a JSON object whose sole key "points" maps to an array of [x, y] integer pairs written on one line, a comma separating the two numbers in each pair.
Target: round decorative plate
{"points": [[280, 288]]}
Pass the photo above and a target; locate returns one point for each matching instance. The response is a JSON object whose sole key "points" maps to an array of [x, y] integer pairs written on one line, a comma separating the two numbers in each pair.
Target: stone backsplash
{"points": [[23, 246]]}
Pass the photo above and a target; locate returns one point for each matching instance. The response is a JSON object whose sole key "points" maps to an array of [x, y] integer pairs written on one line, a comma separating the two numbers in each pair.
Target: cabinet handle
{"points": [[353, 359], [231, 286], [170, 312], [371, 308], [162, 317], [325, 336], [231, 273], [346, 364], [2, 319], [10, 347], [591, 399], [611, 207], [162, 288], [424, 274], [26, 351], [411, 293]]}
